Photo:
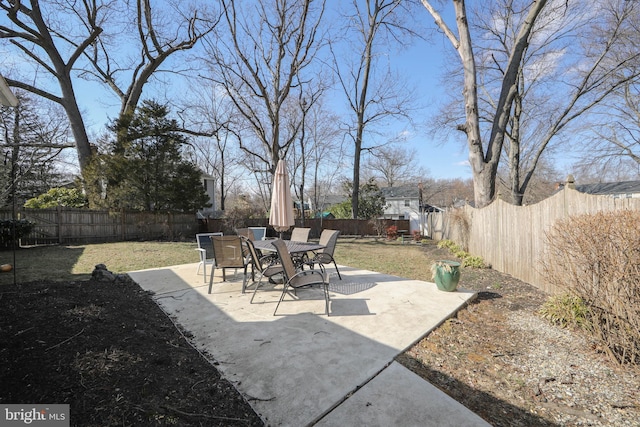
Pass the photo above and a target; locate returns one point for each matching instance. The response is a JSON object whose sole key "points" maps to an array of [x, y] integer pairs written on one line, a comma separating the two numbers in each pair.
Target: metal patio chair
{"points": [[205, 249], [266, 265], [328, 239], [228, 253], [299, 234], [296, 279]]}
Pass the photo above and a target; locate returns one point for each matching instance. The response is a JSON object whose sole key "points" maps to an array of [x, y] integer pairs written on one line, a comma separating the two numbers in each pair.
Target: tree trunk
{"points": [[483, 178], [485, 166], [78, 128]]}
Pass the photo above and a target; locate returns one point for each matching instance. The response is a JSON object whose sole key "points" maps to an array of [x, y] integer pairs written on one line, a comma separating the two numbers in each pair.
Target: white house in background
{"points": [[209, 184], [405, 202]]}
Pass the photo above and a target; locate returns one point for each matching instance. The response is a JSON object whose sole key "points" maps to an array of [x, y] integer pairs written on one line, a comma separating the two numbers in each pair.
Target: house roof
{"points": [[431, 208], [401, 192], [622, 187]]}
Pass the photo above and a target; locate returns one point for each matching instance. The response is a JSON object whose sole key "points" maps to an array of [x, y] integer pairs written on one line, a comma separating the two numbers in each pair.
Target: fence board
{"points": [[80, 226], [347, 227], [512, 238]]}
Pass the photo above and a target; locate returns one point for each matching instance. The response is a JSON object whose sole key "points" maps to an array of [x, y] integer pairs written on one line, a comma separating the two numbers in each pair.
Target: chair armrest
{"points": [[321, 257], [322, 274]]}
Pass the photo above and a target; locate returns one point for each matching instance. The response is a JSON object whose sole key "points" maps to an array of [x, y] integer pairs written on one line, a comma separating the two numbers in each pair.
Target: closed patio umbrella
{"points": [[281, 213]]}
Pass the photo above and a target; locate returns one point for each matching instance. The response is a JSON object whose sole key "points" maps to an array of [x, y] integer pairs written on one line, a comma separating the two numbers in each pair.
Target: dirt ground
{"points": [[499, 358], [106, 349]]}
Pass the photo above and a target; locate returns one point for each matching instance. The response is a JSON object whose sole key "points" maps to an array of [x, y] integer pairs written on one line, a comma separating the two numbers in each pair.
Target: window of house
{"points": [[407, 202]]}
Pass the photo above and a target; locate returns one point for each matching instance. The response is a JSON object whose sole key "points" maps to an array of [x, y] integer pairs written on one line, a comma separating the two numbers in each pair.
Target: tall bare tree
{"points": [[374, 94], [396, 165], [262, 60], [33, 136], [613, 139], [564, 74], [209, 116], [65, 40], [485, 157], [326, 150]]}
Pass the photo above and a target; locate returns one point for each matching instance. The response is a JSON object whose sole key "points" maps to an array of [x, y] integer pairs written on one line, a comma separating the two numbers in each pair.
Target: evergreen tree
{"points": [[371, 202], [145, 169]]}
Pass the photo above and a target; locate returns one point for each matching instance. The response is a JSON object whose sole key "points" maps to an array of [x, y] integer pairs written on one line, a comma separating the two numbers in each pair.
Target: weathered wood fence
{"points": [[347, 227], [81, 226], [512, 238]]}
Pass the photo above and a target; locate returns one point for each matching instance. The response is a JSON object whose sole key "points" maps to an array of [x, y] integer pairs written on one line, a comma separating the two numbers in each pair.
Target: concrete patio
{"points": [[304, 368]]}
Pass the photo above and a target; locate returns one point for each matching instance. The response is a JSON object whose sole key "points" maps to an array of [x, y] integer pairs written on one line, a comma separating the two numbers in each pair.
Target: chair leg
{"points": [[325, 288], [204, 271], [244, 279], [337, 271], [284, 291], [213, 269], [256, 288]]}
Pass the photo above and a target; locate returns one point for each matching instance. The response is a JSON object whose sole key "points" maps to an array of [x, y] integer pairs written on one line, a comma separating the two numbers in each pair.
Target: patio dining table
{"points": [[292, 246]]}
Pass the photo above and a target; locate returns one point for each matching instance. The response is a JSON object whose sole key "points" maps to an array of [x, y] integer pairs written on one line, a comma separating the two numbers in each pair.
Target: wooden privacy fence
{"points": [[80, 226], [512, 238], [347, 227]]}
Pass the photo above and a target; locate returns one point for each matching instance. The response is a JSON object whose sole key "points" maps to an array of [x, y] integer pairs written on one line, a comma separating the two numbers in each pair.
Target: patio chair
{"points": [[267, 265], [205, 249], [227, 253], [299, 234], [296, 279], [328, 239], [259, 233], [246, 232]]}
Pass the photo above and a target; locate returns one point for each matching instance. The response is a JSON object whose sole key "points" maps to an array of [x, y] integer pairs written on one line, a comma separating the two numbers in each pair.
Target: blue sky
{"points": [[423, 65]]}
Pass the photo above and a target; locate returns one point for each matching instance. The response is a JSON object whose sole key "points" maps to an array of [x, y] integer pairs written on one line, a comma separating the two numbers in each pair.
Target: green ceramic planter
{"points": [[446, 274]]}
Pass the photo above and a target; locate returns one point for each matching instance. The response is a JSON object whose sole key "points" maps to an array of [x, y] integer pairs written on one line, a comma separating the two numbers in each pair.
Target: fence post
{"points": [[59, 222], [123, 222]]}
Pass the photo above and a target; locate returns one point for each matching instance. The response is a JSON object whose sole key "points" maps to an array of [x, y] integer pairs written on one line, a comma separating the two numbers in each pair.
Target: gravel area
{"points": [[570, 380], [502, 360]]}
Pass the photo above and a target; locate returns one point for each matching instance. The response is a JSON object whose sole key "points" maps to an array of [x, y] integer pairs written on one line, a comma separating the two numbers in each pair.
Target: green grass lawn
{"points": [[66, 263]]}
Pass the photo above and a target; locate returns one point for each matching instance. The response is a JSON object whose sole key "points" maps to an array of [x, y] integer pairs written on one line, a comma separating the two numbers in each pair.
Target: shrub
{"points": [[448, 244], [460, 254], [468, 260], [377, 225], [23, 228], [473, 262], [596, 257], [392, 232], [70, 197], [566, 311]]}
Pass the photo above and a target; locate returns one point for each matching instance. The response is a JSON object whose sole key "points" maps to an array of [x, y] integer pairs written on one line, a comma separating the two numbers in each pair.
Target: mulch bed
{"points": [[109, 351]]}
